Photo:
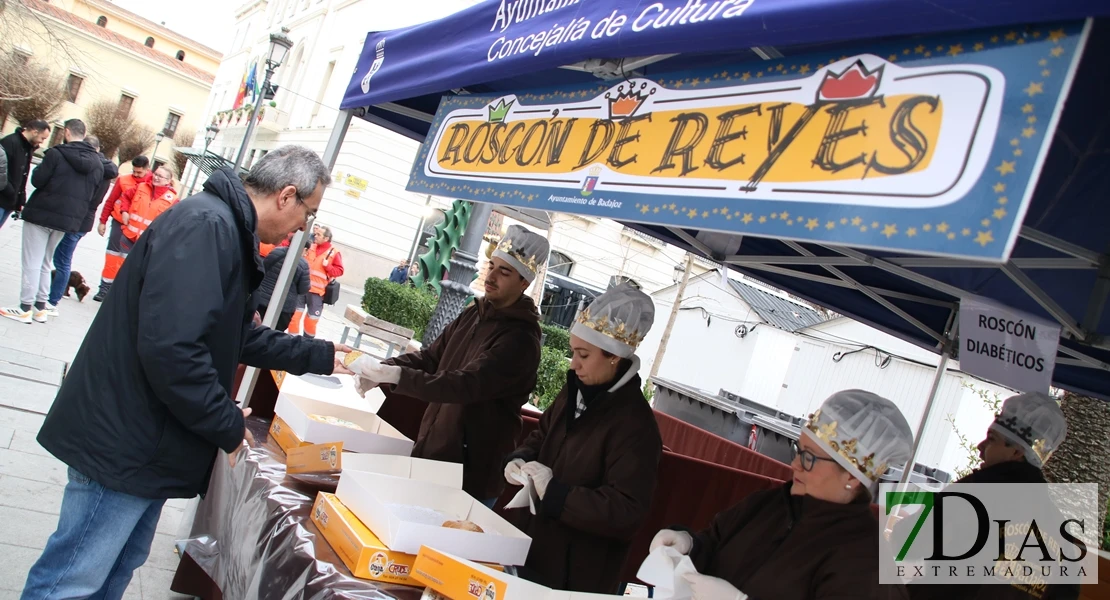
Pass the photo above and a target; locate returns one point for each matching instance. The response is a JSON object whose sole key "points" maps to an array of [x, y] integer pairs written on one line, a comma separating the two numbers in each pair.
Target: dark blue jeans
{"points": [[63, 263]]}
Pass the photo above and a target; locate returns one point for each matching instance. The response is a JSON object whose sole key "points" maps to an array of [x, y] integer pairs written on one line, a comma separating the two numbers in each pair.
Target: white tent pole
{"points": [[289, 267], [938, 378]]}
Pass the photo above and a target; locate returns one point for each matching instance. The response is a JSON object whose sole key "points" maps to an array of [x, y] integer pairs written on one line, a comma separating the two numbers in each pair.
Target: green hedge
{"points": [[551, 376], [556, 337], [399, 304]]}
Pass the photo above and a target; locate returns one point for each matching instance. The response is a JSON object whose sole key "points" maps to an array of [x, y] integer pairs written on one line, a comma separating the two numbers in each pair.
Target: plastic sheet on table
{"points": [[253, 535]]}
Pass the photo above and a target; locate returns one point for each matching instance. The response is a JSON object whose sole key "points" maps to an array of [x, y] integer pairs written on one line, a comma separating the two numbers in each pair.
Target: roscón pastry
{"points": [[335, 421], [351, 357], [464, 525]]}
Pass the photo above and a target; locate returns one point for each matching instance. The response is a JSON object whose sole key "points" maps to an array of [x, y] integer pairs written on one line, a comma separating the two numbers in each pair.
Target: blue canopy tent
{"points": [[1059, 268]]}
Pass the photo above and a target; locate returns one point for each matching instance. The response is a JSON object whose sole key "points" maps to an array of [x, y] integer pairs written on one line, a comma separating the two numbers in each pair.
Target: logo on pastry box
{"points": [[859, 131], [483, 591]]}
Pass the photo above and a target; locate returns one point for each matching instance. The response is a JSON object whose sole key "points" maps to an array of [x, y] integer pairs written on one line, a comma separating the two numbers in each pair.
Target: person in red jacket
{"points": [[325, 264], [114, 255], [146, 202]]}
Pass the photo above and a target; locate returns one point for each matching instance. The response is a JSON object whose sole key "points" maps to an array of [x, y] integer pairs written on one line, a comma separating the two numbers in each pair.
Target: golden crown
{"points": [[506, 246], [846, 448], [612, 328]]}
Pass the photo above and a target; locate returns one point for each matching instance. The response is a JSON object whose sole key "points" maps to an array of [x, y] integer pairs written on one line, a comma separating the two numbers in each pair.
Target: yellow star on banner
{"points": [[911, 232], [724, 211], [783, 215], [890, 230], [645, 209], [1006, 167], [978, 47], [705, 214], [781, 68], [1046, 73], [655, 210], [678, 84], [855, 221], [940, 48], [863, 229], [892, 57], [999, 213], [1042, 62], [716, 210], [1057, 35], [724, 73], [830, 225], [791, 221], [803, 69], [762, 219], [1011, 36], [942, 228], [1036, 35], [759, 74], [672, 206], [874, 225], [927, 227], [1027, 108], [774, 215], [1003, 200], [1020, 41], [1057, 52], [696, 81], [1034, 89], [965, 232], [999, 187], [928, 54], [1028, 132], [919, 49], [1015, 142], [906, 51], [1018, 152], [1031, 120], [747, 218], [955, 50], [951, 236], [985, 222], [984, 238], [994, 39], [693, 212], [812, 224], [844, 221], [746, 76]]}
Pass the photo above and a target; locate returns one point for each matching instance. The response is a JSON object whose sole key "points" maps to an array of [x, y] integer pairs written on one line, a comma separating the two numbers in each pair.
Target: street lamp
{"points": [[279, 47], [678, 270], [210, 133], [157, 140]]}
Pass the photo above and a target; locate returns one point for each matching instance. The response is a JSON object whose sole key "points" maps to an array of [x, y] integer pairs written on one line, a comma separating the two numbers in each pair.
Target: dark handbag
{"points": [[331, 292]]}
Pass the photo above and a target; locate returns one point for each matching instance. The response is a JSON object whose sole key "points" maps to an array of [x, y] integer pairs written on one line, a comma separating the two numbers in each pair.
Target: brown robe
{"points": [[605, 465], [774, 546], [475, 377]]}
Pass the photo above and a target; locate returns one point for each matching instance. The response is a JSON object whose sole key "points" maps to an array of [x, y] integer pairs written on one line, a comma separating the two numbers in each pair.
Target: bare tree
{"points": [[110, 124], [28, 90], [141, 138], [182, 140], [1084, 457]]}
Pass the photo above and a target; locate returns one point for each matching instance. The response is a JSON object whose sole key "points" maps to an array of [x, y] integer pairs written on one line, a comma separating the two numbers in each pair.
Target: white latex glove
{"points": [[541, 476], [679, 540], [513, 468], [368, 367], [712, 588]]}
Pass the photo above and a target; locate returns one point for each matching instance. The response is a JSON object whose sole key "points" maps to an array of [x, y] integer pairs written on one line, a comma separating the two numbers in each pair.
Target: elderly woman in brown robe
{"points": [[593, 460], [815, 538]]}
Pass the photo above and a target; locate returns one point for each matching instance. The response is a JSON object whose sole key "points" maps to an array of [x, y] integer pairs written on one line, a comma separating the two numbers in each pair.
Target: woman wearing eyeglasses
{"points": [[144, 203], [815, 537]]}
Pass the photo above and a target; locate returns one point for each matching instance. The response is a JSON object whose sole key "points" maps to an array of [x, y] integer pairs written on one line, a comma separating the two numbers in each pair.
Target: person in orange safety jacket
{"points": [[325, 263], [149, 200], [114, 255]]}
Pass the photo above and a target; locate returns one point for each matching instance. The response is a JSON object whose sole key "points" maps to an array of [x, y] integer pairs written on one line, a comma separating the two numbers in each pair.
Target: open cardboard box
{"points": [[330, 458], [376, 437], [457, 578], [363, 553], [333, 389], [402, 513]]}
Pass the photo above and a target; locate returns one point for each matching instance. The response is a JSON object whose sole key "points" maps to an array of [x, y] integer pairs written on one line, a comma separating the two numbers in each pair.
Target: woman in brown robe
{"points": [[593, 460], [815, 538]]}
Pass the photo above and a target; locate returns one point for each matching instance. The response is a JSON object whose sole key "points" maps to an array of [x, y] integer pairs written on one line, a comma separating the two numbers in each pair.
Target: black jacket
{"points": [[146, 403], [64, 182], [299, 287], [19, 152], [111, 171]]}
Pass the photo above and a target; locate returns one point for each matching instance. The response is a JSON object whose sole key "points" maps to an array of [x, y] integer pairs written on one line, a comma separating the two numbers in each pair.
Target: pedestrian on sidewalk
{"points": [[116, 251], [325, 264], [64, 183], [146, 405], [63, 254], [299, 286], [146, 202], [400, 273], [19, 147]]}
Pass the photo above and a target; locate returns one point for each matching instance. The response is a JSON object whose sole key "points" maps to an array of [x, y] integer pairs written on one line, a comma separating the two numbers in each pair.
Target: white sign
{"points": [[1006, 346]]}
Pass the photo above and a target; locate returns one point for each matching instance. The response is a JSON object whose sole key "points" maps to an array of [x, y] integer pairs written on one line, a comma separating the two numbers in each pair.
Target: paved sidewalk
{"points": [[33, 359]]}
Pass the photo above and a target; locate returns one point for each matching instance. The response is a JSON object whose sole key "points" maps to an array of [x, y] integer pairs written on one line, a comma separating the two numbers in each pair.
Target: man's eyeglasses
{"points": [[808, 458], [308, 213]]}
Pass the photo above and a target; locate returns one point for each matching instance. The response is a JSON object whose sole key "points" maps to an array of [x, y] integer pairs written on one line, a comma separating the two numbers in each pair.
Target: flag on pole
{"points": [[252, 82], [242, 92]]}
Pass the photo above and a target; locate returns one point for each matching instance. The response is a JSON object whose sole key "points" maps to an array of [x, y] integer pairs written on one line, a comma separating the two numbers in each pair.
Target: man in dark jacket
{"points": [[477, 374], [19, 147], [265, 291], [64, 182], [63, 254], [146, 405]]}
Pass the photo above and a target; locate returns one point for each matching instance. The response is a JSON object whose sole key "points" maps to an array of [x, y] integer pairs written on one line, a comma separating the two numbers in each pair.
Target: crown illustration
{"points": [[595, 171], [498, 112], [612, 328], [380, 45], [846, 448], [624, 104], [857, 81], [506, 246]]}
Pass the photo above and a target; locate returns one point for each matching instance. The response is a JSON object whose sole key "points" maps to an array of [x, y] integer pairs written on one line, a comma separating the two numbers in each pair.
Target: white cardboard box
{"points": [[333, 389], [454, 577], [377, 437], [417, 469], [401, 513]]}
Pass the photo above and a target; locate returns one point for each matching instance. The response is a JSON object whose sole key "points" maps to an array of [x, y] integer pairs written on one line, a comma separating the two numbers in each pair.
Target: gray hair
{"points": [[93, 141], [289, 165], [326, 232]]}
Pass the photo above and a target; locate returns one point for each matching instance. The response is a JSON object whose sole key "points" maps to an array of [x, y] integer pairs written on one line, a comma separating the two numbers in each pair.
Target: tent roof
{"points": [[1059, 269], [779, 312]]}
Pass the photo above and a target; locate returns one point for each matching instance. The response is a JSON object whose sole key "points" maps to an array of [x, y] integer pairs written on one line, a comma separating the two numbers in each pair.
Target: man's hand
{"points": [[338, 368], [257, 319], [101, 229], [248, 440], [126, 218]]}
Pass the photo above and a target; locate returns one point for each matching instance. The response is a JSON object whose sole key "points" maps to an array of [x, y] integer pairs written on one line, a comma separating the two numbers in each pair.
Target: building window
{"points": [[616, 280], [181, 55], [559, 263], [57, 136], [125, 103], [73, 87], [149, 43], [172, 119], [102, 21]]}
